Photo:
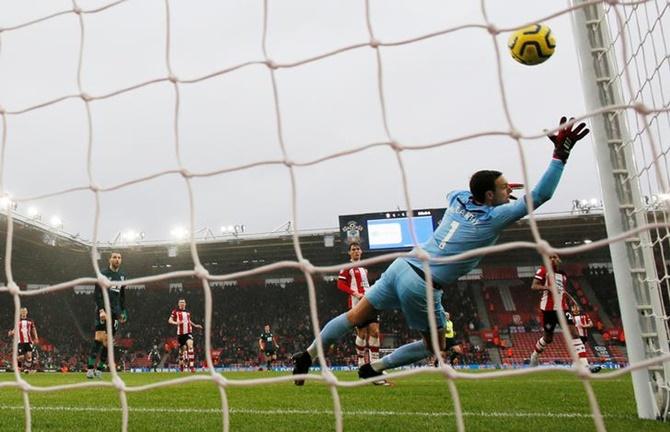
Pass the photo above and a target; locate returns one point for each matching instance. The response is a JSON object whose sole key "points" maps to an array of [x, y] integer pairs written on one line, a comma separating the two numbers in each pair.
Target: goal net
{"points": [[623, 49], [416, 113]]}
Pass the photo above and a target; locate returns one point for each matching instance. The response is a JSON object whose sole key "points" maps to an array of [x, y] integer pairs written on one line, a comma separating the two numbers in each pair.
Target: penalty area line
{"points": [[312, 412]]}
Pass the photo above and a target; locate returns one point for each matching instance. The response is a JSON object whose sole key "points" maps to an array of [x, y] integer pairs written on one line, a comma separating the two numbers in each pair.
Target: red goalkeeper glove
{"points": [[566, 138]]}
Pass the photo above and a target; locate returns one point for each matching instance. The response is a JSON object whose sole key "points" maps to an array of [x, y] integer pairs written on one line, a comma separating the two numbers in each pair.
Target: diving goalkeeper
{"points": [[473, 219]]}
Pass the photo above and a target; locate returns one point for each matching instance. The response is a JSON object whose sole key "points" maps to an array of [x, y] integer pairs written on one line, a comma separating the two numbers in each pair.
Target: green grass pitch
{"points": [[547, 401]]}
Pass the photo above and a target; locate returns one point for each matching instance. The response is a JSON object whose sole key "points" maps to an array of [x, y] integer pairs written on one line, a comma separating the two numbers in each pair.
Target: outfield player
{"points": [[451, 345], [27, 339], [583, 323], [267, 344], [550, 310], [154, 357], [473, 219], [117, 307], [181, 318], [354, 282]]}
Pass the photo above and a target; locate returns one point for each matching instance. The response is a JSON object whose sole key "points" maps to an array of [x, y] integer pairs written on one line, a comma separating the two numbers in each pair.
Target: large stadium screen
{"points": [[389, 230], [395, 233]]}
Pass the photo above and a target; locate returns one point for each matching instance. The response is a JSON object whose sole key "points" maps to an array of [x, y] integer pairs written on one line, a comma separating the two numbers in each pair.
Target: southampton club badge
{"points": [[353, 231]]}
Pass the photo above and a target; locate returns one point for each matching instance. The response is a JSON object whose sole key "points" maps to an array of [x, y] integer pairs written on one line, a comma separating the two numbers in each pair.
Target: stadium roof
{"points": [[37, 249]]}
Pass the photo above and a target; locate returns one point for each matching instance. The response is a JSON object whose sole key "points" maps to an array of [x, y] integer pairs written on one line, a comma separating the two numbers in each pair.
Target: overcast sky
{"points": [[436, 89]]}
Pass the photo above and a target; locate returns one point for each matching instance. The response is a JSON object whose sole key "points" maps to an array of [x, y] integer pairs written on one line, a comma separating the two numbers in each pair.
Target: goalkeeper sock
{"points": [[95, 350], [331, 333], [360, 350], [406, 354], [373, 345]]}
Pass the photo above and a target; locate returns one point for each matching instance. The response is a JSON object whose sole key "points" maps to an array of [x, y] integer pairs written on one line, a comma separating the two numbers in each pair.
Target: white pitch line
{"points": [[314, 412], [560, 381]]}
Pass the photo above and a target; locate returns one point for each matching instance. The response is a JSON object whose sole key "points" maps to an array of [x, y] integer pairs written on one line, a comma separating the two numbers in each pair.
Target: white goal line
{"points": [[317, 412]]}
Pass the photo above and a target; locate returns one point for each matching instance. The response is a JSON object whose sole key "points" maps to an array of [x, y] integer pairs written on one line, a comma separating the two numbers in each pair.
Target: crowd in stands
{"points": [[65, 321], [602, 281]]}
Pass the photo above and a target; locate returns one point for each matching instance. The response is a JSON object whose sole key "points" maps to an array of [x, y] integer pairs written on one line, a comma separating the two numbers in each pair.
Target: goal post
{"points": [[620, 126]]}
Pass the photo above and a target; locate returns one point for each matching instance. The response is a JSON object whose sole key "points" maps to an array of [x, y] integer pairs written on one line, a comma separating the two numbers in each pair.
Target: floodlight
{"points": [[56, 222], [33, 213], [179, 233]]}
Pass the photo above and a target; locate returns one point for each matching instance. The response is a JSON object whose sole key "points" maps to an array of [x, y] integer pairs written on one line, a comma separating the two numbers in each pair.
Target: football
{"points": [[532, 45]]}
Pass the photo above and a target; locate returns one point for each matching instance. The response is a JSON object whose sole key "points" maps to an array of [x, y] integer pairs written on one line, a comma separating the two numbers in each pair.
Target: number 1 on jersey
{"points": [[452, 229]]}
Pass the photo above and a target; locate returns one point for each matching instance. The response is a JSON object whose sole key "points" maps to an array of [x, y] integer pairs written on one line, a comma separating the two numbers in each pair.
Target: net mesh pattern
{"points": [[642, 46]]}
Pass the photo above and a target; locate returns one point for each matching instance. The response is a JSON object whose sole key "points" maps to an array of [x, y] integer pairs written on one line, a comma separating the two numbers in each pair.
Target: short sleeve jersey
{"points": [[353, 280], [116, 292], [268, 341], [560, 281], [582, 324], [26, 331], [183, 318]]}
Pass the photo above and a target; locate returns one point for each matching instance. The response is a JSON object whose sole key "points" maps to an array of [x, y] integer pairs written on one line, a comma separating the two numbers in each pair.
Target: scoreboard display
{"points": [[389, 231]]}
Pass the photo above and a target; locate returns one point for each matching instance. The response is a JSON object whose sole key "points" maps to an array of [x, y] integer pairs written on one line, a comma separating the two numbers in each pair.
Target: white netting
{"points": [[653, 159], [638, 57]]}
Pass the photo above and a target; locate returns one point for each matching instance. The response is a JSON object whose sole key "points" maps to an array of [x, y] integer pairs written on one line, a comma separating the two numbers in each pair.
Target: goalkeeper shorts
{"points": [[400, 287]]}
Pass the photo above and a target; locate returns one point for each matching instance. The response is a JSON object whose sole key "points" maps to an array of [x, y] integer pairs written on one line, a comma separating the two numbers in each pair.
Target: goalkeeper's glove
{"points": [[566, 138]]}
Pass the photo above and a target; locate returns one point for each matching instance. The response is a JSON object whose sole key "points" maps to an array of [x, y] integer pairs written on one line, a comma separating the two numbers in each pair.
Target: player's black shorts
{"points": [[183, 338], [451, 342], [270, 352], [25, 347], [374, 319], [550, 320]]}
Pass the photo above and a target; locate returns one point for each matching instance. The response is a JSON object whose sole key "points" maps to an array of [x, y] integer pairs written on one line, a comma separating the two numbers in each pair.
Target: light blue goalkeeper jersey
{"points": [[467, 226]]}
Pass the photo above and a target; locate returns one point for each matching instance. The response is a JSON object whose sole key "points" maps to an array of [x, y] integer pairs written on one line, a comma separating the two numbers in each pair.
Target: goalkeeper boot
{"points": [[595, 369], [366, 371], [90, 374], [534, 359], [301, 363]]}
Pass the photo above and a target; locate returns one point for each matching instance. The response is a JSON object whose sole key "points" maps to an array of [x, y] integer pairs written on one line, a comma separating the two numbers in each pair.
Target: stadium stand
{"points": [[241, 307]]}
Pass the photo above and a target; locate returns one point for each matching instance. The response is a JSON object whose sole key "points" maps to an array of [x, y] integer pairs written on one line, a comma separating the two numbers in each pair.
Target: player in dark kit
{"points": [[267, 344], [154, 357], [117, 296]]}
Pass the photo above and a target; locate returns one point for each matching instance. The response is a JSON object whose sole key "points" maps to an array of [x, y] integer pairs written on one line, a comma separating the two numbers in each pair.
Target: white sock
{"points": [[581, 351]]}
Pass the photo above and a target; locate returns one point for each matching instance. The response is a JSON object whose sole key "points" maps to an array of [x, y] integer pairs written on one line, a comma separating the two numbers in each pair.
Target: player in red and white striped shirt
{"points": [[550, 310], [582, 323], [27, 336], [354, 282], [181, 318]]}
